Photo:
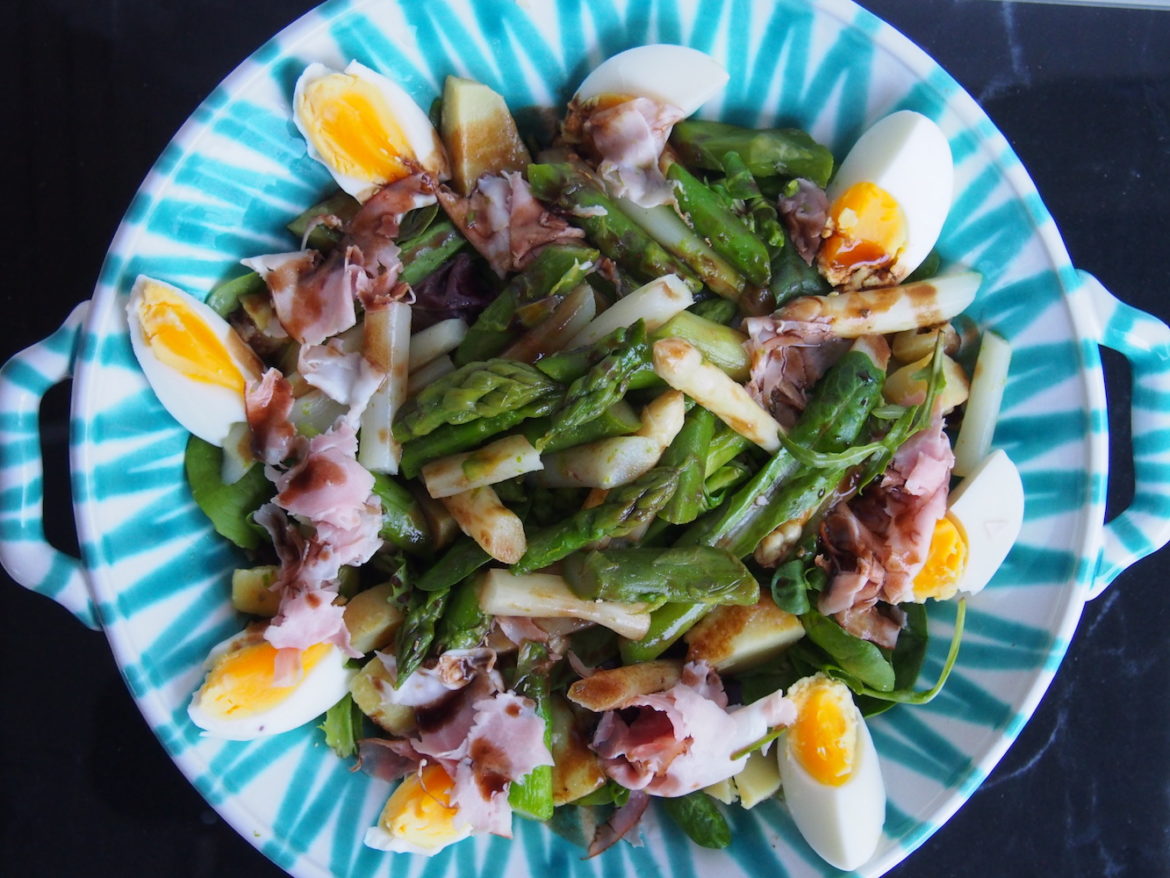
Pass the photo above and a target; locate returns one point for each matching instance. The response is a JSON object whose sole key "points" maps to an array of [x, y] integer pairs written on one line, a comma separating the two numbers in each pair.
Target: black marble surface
{"points": [[92, 91]]}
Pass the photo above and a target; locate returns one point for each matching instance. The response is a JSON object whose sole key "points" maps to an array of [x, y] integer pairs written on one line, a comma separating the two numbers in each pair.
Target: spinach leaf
{"points": [[699, 817], [227, 506]]}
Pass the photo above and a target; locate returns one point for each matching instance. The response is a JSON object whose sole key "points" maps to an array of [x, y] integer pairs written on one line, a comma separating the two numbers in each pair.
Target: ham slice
{"points": [[629, 138], [683, 739], [504, 222], [267, 404], [877, 543], [805, 213], [788, 357]]}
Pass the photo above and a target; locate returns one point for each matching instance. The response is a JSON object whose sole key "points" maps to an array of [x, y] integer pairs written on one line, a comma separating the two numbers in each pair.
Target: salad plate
{"points": [[152, 574]]}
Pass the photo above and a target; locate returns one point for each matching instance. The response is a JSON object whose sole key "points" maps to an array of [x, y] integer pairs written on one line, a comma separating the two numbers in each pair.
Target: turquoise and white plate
{"points": [[155, 576]]}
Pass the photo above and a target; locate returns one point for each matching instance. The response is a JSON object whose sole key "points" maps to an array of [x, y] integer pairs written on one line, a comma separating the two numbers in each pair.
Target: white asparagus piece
{"points": [[386, 345], [615, 688], [987, 383], [429, 374], [496, 528], [680, 365], [889, 309], [618, 460], [434, 341], [907, 385], [570, 316], [237, 453], [495, 462], [537, 595], [654, 304]]}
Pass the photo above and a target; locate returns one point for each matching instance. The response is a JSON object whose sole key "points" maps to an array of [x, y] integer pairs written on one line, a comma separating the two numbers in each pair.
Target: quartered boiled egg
{"points": [[419, 817], [830, 773], [888, 202], [984, 516], [240, 698], [678, 75], [364, 128], [195, 362]]}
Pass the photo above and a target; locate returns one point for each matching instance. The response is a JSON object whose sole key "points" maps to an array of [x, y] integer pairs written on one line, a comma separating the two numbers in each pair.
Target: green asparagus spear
{"points": [[840, 405], [454, 438], [719, 344], [341, 205], [426, 251], [698, 574], [417, 631], [761, 210], [624, 509], [461, 560], [724, 447], [727, 233], [688, 452], [463, 625], [403, 523], [606, 226], [617, 420], [667, 624], [787, 152], [532, 795], [602, 386], [715, 309], [224, 298], [478, 390], [566, 367], [720, 483], [556, 270]]}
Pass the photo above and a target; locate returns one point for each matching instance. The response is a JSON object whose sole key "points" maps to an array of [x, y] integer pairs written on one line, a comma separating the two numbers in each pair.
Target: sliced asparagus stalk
{"points": [[386, 344], [434, 341], [496, 528], [537, 595], [653, 304], [496, 462]]}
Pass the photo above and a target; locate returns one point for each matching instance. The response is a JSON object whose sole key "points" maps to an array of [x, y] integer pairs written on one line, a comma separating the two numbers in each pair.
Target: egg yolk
{"points": [[945, 563], [241, 682], [180, 338], [420, 810], [823, 738], [352, 128], [869, 233]]}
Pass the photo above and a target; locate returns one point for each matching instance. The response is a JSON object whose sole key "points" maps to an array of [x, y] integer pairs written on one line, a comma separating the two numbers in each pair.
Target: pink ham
{"points": [[504, 222], [877, 543], [629, 138], [788, 357], [683, 739], [267, 404]]}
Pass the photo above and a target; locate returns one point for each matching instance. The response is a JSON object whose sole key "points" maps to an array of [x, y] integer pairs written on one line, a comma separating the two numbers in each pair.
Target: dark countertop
{"points": [[97, 89]]}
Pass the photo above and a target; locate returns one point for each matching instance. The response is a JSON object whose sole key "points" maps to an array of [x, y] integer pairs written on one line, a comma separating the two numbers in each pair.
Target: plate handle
{"points": [[1144, 340], [24, 551]]}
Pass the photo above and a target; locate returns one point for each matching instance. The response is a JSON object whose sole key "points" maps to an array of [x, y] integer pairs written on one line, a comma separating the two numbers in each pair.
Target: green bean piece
{"points": [[728, 234], [784, 152], [624, 509]]}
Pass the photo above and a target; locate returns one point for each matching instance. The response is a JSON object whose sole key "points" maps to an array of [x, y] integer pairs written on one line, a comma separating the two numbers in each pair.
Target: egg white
{"points": [[416, 127], [843, 824], [988, 509], [908, 156], [207, 410], [318, 689], [677, 75]]}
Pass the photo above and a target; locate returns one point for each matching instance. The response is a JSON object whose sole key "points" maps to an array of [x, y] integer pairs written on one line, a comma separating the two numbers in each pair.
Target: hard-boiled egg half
{"points": [[195, 362], [240, 698], [888, 202], [830, 773], [419, 817], [678, 75], [984, 516], [364, 128]]}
